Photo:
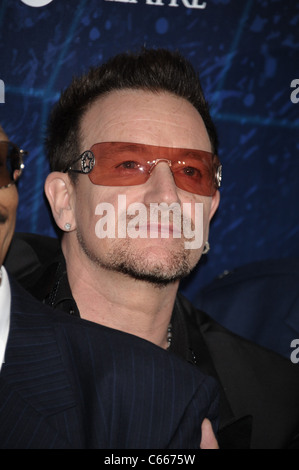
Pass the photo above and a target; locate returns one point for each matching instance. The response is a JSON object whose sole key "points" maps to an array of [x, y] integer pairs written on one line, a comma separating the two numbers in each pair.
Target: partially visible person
{"points": [[9, 174], [139, 127], [258, 301], [67, 383]]}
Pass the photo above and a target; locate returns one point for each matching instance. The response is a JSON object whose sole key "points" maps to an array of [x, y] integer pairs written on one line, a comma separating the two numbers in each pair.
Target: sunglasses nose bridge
{"points": [[154, 163]]}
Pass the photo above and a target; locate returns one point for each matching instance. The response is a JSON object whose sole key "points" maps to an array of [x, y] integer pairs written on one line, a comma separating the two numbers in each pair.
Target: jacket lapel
{"points": [[236, 429], [35, 392], [22, 426]]}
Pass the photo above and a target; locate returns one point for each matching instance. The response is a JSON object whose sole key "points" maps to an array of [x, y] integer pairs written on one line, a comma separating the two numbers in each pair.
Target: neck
{"points": [[119, 301]]}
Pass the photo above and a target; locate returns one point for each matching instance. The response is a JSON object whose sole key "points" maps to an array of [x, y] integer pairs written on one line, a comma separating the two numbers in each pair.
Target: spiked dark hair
{"points": [[150, 70]]}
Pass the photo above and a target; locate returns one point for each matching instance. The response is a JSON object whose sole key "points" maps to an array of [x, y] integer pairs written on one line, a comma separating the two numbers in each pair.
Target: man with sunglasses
{"points": [[137, 129], [9, 174], [57, 391]]}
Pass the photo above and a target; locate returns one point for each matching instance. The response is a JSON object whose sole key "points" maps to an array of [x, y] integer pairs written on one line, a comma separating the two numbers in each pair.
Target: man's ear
{"points": [[60, 194], [215, 204]]}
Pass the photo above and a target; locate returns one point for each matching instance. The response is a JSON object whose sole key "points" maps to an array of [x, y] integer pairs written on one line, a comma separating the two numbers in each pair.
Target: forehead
{"points": [[144, 117]]}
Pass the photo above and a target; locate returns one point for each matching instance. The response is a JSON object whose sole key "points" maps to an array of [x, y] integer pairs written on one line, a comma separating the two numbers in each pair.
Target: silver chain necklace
{"points": [[169, 336]]}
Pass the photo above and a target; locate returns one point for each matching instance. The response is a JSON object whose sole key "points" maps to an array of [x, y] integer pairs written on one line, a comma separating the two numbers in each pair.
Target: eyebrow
{"points": [[122, 147]]}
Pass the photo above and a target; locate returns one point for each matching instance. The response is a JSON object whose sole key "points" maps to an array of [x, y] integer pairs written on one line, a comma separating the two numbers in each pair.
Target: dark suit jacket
{"points": [[69, 383], [259, 301], [259, 404]]}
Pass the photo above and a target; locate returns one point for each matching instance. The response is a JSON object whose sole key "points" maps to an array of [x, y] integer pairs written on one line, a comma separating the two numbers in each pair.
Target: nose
{"points": [[161, 186], [159, 160]]}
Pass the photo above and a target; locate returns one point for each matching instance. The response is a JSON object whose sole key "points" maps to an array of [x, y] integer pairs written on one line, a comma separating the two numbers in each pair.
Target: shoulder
{"points": [[28, 256], [27, 310], [244, 365], [258, 301], [220, 338]]}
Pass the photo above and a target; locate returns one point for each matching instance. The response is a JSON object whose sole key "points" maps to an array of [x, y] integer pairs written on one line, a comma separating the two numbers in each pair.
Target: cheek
{"points": [[198, 211], [198, 207], [6, 234], [84, 212], [8, 207], [206, 218], [97, 213], [207, 203]]}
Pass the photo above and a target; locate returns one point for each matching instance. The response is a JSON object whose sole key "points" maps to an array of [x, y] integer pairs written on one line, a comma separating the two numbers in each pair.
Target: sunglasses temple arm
{"points": [[73, 171], [69, 168]]}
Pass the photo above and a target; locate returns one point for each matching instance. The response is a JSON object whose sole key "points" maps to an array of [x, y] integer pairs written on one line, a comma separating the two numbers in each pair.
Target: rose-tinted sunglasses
{"points": [[130, 164]]}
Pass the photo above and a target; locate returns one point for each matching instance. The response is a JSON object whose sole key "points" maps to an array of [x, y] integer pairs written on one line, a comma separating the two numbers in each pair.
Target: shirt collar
{"points": [[60, 295], [5, 303]]}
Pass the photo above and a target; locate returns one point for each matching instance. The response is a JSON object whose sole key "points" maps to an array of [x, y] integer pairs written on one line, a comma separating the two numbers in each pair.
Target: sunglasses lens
{"points": [[10, 163], [195, 174], [119, 164], [130, 164]]}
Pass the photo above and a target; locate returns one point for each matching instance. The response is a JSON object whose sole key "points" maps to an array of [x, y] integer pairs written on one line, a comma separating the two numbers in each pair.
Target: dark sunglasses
{"points": [[11, 163], [130, 164]]}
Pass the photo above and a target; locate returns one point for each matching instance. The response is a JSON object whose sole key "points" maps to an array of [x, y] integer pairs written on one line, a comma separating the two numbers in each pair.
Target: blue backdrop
{"points": [[247, 53]]}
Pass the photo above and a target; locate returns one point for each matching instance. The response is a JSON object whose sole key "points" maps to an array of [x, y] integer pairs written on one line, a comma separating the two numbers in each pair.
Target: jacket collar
{"points": [[59, 294]]}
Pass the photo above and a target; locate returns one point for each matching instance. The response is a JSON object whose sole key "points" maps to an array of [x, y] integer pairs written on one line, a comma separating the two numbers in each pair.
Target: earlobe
{"points": [[59, 192]]}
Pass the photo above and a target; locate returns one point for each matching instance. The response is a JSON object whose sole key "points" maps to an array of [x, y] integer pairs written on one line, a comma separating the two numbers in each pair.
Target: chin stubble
{"points": [[120, 259]]}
